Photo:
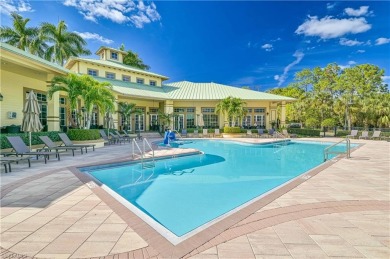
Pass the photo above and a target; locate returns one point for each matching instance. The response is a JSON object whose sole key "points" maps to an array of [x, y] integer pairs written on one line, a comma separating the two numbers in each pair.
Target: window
{"points": [[246, 122], [190, 120], [62, 101], [62, 112], [153, 83], [42, 101], [259, 110], [92, 72], [208, 110], [178, 110], [210, 120], [153, 110], [126, 78], [110, 75], [259, 120], [249, 110], [190, 109], [140, 80], [114, 55]]}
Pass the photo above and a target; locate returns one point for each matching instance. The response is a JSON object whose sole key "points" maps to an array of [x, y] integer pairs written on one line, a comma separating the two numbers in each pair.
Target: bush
{"points": [[329, 123], [304, 132], [342, 133], [227, 129], [312, 123], [294, 125], [35, 140], [83, 134]]}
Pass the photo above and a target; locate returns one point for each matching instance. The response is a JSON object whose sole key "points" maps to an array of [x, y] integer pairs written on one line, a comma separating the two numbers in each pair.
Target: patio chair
{"points": [[105, 137], [130, 135], [364, 135], [217, 133], [249, 133], [260, 133], [50, 145], [183, 133], [288, 135], [376, 134], [117, 138], [353, 134], [196, 134], [20, 149], [123, 136], [205, 133], [8, 160], [271, 133], [68, 143]]}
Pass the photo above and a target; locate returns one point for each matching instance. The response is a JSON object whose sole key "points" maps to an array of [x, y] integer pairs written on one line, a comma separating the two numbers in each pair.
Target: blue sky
{"points": [[260, 44]]}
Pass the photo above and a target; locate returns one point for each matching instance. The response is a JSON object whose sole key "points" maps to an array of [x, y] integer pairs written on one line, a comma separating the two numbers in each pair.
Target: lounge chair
{"points": [[68, 143], [271, 133], [130, 135], [50, 145], [123, 136], [205, 133], [217, 133], [117, 138], [105, 137], [8, 160], [184, 133], [364, 135], [20, 149], [376, 134], [249, 133], [288, 135], [353, 134]]}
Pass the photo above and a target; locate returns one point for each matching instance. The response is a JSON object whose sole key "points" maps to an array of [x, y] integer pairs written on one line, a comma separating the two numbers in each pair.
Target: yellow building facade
{"points": [[188, 102]]}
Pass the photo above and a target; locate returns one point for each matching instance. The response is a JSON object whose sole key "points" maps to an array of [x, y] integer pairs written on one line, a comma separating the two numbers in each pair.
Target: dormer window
{"points": [[152, 82], [114, 55], [140, 81], [92, 72], [110, 75]]}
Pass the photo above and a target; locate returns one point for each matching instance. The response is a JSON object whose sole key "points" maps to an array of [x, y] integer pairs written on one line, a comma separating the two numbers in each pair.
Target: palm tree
{"points": [[232, 107], [126, 110], [223, 108], [20, 35], [65, 44], [132, 59], [166, 119], [72, 85]]}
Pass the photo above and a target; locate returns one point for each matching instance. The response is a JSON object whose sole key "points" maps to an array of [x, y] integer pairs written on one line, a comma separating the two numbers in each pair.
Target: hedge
{"points": [[83, 134], [304, 132], [227, 129], [35, 140]]}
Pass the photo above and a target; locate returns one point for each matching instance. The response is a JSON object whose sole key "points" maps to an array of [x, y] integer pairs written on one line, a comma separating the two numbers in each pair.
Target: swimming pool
{"points": [[182, 194]]}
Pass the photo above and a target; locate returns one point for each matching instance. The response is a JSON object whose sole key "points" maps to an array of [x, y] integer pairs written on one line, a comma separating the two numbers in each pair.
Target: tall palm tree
{"points": [[166, 119], [72, 85], [233, 108], [126, 110], [20, 35], [223, 108], [65, 44], [132, 59]]}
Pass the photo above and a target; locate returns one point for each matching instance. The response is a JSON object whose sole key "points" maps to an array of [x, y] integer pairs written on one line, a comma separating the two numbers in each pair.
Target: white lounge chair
{"points": [[376, 134], [364, 135], [353, 134], [249, 134], [217, 133], [205, 133]]}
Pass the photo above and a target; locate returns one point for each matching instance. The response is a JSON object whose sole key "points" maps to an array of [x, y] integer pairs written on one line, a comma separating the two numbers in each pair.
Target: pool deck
{"points": [[341, 209]]}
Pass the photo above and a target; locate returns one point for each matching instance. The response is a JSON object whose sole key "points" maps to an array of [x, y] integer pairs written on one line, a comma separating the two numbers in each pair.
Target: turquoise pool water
{"points": [[184, 193]]}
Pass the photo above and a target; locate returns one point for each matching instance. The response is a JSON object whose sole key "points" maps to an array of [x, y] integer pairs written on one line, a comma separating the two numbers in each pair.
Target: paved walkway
{"points": [[338, 211]]}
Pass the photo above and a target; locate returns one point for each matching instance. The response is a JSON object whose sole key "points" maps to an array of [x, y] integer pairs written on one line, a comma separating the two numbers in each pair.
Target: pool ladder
{"points": [[327, 150], [145, 143]]}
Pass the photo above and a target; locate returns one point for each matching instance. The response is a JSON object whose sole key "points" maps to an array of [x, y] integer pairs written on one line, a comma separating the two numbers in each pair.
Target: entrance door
{"points": [[178, 122], [139, 122], [153, 122]]}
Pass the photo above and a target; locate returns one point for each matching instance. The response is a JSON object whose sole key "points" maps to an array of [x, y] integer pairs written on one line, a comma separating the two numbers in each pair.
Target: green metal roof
{"points": [[185, 90], [25, 54], [114, 64], [135, 90]]}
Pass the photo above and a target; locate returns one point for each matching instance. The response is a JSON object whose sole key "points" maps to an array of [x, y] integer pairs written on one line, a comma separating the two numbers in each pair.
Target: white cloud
{"points": [[267, 47], [94, 36], [330, 6], [381, 41], [281, 78], [328, 27], [118, 11], [361, 51], [277, 39], [347, 42], [386, 78], [19, 6], [351, 62], [363, 10]]}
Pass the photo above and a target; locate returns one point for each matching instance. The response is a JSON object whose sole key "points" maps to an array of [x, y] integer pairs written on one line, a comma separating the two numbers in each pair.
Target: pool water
{"points": [[184, 193]]}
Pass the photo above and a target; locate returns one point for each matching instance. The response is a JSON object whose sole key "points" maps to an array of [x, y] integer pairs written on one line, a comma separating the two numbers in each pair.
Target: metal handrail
{"points": [[348, 152], [177, 133], [145, 141]]}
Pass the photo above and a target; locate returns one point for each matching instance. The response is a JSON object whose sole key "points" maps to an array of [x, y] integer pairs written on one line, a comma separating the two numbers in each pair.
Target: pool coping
{"points": [[163, 246]]}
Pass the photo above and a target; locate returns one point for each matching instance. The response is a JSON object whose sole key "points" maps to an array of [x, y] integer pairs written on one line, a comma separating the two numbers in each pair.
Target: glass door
{"points": [[139, 122], [178, 122], [154, 122]]}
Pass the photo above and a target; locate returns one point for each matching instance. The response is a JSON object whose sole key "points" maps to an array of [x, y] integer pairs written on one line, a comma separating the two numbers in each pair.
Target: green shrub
{"points": [[227, 129], [35, 140], [304, 132], [342, 133], [83, 134], [329, 123], [312, 123]]}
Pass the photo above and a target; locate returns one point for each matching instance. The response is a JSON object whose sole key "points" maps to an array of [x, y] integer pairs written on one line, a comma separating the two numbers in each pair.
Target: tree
{"points": [[126, 110], [64, 44], [72, 85], [20, 35], [132, 59], [232, 108], [166, 119]]}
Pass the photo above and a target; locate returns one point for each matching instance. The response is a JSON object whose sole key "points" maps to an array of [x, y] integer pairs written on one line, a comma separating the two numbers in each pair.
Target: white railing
{"points": [[327, 150], [142, 151]]}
